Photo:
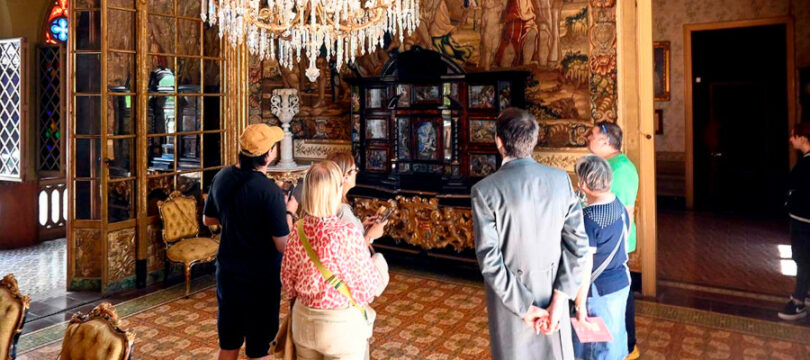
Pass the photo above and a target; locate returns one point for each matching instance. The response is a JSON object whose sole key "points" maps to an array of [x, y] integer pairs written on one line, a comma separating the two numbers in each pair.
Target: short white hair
{"points": [[594, 172]]}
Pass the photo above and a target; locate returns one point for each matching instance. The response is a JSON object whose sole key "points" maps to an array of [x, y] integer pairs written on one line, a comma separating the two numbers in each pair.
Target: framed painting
{"points": [[659, 121], [376, 129], [404, 138], [404, 95], [356, 127], [661, 68], [482, 96], [427, 141], [375, 98], [355, 99], [504, 94], [482, 165], [426, 94], [377, 160], [482, 131]]}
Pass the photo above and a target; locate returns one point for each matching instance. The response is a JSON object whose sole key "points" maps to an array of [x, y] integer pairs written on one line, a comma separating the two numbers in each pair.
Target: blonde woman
{"points": [[345, 161], [328, 323]]}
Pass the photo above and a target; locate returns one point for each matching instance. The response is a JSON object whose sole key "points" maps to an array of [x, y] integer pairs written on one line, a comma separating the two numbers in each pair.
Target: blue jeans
{"points": [[611, 309]]}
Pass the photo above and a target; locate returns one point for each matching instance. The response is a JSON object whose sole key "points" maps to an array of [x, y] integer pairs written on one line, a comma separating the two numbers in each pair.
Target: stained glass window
{"points": [[50, 108], [57, 23]]}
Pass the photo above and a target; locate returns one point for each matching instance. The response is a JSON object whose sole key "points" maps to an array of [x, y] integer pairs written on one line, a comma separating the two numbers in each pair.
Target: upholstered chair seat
{"points": [[189, 250], [96, 336], [180, 229], [13, 307]]}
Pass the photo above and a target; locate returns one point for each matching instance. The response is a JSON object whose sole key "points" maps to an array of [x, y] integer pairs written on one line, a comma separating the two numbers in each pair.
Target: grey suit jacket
{"points": [[529, 240]]}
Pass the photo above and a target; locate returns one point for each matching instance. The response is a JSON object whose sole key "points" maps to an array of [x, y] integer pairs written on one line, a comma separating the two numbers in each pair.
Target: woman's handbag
{"points": [[283, 343]]}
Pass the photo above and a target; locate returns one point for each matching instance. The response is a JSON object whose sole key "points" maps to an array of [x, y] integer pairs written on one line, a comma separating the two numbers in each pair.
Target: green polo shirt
{"points": [[625, 187]]}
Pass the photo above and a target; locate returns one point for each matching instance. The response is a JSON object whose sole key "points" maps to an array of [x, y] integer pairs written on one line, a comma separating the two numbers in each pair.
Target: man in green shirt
{"points": [[605, 141]]}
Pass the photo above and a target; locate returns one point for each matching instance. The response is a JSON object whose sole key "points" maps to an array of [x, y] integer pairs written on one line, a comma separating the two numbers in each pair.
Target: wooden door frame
{"points": [[688, 29]]}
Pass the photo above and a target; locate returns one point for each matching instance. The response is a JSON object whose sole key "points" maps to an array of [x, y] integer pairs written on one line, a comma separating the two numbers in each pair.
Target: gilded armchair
{"points": [[180, 230], [96, 335], [13, 307]]}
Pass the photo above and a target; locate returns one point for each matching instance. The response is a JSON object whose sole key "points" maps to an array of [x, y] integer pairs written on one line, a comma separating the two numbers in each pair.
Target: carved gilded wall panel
{"points": [[87, 250], [155, 248], [121, 255]]}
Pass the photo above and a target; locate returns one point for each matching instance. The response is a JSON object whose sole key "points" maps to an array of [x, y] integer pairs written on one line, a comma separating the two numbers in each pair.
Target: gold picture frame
{"points": [[661, 70]]}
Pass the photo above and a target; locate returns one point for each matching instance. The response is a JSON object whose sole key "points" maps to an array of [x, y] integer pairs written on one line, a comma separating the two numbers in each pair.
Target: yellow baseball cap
{"points": [[257, 139]]}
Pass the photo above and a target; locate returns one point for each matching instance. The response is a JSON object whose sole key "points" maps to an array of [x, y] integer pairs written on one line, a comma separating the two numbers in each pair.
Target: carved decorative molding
{"points": [[423, 222], [121, 255], [88, 252], [155, 247], [106, 313], [282, 176], [10, 283], [314, 150], [564, 160]]}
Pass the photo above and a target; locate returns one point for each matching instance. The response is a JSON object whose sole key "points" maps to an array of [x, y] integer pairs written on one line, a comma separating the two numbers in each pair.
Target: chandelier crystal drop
{"points": [[283, 29]]}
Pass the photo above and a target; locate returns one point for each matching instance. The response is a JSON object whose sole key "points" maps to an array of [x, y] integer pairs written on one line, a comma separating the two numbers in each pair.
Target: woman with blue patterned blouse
{"points": [[606, 287]]}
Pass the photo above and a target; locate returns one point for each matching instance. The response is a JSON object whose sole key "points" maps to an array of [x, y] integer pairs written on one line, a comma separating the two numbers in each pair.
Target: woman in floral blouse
{"points": [[325, 324]]}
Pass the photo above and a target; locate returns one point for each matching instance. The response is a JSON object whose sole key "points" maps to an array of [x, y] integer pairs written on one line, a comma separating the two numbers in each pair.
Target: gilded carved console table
{"points": [[424, 223]]}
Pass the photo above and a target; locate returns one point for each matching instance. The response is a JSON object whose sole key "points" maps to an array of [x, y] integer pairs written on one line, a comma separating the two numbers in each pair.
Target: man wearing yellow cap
{"points": [[256, 218]]}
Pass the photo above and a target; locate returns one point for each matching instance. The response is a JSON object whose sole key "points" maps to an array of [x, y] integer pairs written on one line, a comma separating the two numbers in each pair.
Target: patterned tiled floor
{"points": [[40, 269], [724, 251], [440, 318]]}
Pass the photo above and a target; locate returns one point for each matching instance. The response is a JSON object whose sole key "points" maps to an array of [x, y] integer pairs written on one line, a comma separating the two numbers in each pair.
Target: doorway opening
{"points": [[728, 243]]}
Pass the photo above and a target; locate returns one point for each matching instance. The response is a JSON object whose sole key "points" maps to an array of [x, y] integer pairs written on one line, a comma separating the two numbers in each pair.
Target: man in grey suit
{"points": [[531, 245]]}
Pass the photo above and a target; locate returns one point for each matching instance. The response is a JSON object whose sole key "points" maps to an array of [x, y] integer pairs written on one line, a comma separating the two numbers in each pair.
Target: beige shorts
{"points": [[331, 334]]}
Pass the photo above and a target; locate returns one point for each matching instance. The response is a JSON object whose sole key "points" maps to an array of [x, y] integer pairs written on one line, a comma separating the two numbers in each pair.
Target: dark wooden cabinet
{"points": [[425, 125], [423, 132]]}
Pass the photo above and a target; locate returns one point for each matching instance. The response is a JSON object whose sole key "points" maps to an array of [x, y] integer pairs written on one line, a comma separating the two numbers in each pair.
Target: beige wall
{"points": [[24, 18], [669, 18]]}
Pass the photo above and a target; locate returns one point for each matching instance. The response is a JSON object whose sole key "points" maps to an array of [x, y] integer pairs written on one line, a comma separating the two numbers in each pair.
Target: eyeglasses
{"points": [[353, 171], [603, 128]]}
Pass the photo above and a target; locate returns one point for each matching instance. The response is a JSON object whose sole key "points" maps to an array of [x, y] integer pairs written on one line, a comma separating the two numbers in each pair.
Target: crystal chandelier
{"points": [[285, 28]]}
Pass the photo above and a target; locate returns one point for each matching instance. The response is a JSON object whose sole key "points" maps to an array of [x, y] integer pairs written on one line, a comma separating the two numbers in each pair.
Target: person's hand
{"points": [[376, 230], [369, 221], [582, 317], [534, 316], [292, 205], [555, 313]]}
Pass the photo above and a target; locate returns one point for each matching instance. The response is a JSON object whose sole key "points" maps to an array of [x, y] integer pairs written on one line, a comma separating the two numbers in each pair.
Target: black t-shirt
{"points": [[251, 209]]}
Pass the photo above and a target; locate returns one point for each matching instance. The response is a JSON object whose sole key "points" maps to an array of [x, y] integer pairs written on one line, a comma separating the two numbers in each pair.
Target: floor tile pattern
{"points": [[724, 251], [440, 318], [40, 269]]}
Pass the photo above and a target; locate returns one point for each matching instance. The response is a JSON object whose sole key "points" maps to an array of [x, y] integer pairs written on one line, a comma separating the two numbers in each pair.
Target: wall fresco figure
{"points": [[519, 34], [548, 40], [436, 32], [491, 28]]}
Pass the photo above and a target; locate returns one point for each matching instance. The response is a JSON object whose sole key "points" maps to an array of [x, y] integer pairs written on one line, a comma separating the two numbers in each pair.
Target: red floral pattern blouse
{"points": [[341, 249]]}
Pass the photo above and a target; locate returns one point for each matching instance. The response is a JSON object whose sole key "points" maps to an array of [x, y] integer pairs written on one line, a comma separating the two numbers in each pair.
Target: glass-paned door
{"points": [[146, 120], [103, 167]]}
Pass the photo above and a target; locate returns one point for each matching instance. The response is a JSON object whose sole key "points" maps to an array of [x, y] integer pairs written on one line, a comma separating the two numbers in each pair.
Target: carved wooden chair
{"points": [[13, 307], [96, 335], [180, 230]]}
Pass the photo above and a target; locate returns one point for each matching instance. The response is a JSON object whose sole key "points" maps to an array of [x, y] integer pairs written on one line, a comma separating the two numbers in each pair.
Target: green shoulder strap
{"points": [[331, 279]]}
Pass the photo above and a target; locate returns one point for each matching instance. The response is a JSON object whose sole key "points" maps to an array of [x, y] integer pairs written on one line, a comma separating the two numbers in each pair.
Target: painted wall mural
{"points": [[568, 46]]}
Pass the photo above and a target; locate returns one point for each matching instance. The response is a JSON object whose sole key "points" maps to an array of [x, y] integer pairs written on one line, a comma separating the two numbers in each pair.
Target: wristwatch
{"points": [[292, 215]]}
